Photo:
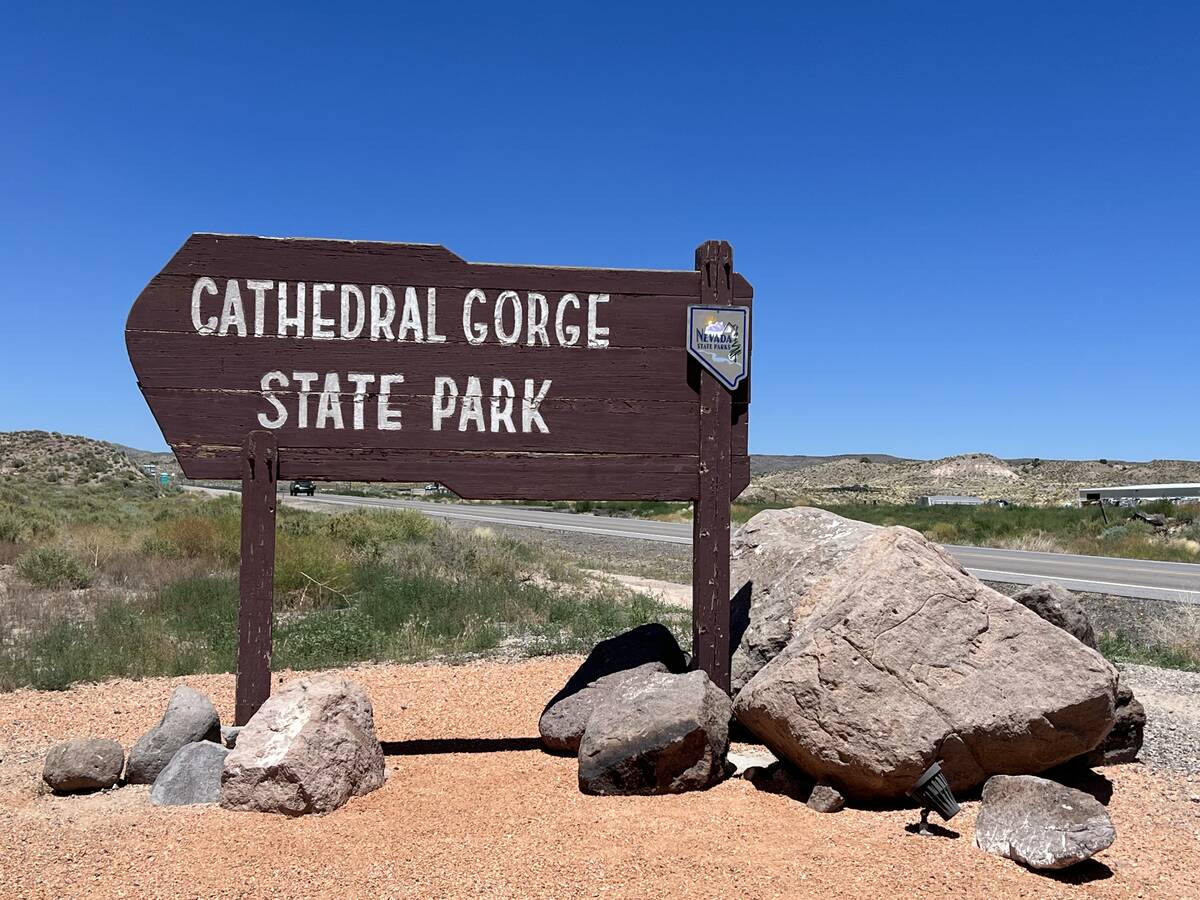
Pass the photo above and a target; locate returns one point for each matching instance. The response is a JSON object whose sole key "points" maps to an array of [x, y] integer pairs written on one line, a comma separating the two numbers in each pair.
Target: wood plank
{"points": [[632, 320], [481, 475], [581, 426], [188, 361], [257, 573], [301, 259]]}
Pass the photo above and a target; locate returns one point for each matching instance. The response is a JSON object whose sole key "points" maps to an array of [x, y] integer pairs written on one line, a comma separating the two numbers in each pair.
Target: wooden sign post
{"points": [[266, 359]]}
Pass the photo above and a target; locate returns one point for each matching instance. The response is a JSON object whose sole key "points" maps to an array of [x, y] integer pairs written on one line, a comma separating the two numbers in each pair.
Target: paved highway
{"points": [[1179, 582]]}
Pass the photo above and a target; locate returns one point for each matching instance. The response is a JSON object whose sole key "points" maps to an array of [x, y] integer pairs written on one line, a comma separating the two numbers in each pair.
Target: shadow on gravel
{"points": [[1082, 873], [459, 745]]}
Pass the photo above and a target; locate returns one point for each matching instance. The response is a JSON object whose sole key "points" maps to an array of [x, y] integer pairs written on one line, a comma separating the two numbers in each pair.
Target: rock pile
{"points": [[645, 649], [190, 717], [904, 658]]}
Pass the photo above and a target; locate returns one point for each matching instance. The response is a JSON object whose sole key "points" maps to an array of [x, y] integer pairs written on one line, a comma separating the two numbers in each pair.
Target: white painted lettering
{"points": [[409, 328], [260, 289], [445, 399], [476, 332], [361, 381], [295, 322], [306, 379], [507, 337], [351, 292], [502, 405], [269, 395], [381, 325], [233, 314], [471, 409], [320, 325], [203, 286], [539, 315], [568, 336], [529, 407], [597, 336], [386, 418]]}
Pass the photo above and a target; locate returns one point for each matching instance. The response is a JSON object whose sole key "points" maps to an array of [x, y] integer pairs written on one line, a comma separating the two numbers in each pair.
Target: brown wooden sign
{"points": [[266, 359], [375, 361]]}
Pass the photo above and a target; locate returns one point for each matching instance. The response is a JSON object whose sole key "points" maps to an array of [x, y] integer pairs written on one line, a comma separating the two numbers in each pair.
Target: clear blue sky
{"points": [[969, 226]]}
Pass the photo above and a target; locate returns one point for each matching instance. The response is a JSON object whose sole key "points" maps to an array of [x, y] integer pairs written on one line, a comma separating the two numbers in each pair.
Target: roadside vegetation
{"points": [[118, 580]]}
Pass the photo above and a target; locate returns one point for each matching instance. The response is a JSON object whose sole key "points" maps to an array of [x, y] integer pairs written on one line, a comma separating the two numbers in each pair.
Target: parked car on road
{"points": [[303, 486]]}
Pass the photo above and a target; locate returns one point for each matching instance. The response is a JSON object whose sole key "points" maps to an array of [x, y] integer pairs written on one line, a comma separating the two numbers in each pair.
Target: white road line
{"points": [[1086, 584]]}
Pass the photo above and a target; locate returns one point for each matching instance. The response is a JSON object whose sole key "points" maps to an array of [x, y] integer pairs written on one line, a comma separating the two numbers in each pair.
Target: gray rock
{"points": [[190, 717], [84, 764], [648, 647], [1040, 824], [826, 799], [656, 733], [905, 659], [309, 748], [192, 776], [776, 557], [1058, 606], [563, 722], [229, 735]]}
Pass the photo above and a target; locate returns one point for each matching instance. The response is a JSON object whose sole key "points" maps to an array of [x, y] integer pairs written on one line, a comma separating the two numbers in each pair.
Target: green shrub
{"points": [[372, 532], [53, 567], [156, 545]]}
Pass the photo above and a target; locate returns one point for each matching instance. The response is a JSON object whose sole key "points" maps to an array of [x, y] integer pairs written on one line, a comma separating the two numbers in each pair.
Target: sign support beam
{"points": [[710, 521], [260, 469]]}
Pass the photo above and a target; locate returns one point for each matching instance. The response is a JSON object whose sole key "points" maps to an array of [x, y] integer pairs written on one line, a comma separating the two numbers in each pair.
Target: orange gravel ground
{"points": [[472, 809]]}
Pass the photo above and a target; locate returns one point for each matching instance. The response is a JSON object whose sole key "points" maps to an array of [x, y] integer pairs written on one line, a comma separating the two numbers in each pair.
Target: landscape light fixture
{"points": [[932, 791]]}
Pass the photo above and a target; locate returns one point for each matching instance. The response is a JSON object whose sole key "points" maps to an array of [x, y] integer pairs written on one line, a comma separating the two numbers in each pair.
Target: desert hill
{"points": [[65, 459], [1031, 481]]}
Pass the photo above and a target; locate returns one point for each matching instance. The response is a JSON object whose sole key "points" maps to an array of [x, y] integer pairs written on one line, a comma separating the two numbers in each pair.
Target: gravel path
{"points": [[1172, 701], [471, 808]]}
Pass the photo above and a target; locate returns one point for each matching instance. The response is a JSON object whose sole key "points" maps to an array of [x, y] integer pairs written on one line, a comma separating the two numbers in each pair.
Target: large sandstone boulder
{"points": [[309, 748], [1060, 607], [1039, 823], [190, 717], [192, 776], [776, 557], [84, 764], [656, 733], [644, 649], [906, 659]]}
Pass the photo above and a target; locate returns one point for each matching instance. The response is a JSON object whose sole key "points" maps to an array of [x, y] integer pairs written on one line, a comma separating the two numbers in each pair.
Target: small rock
{"points": [[825, 799], [649, 647], [192, 776], [190, 717], [84, 764], [1058, 606], [656, 734], [229, 735], [1040, 824], [309, 749]]}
